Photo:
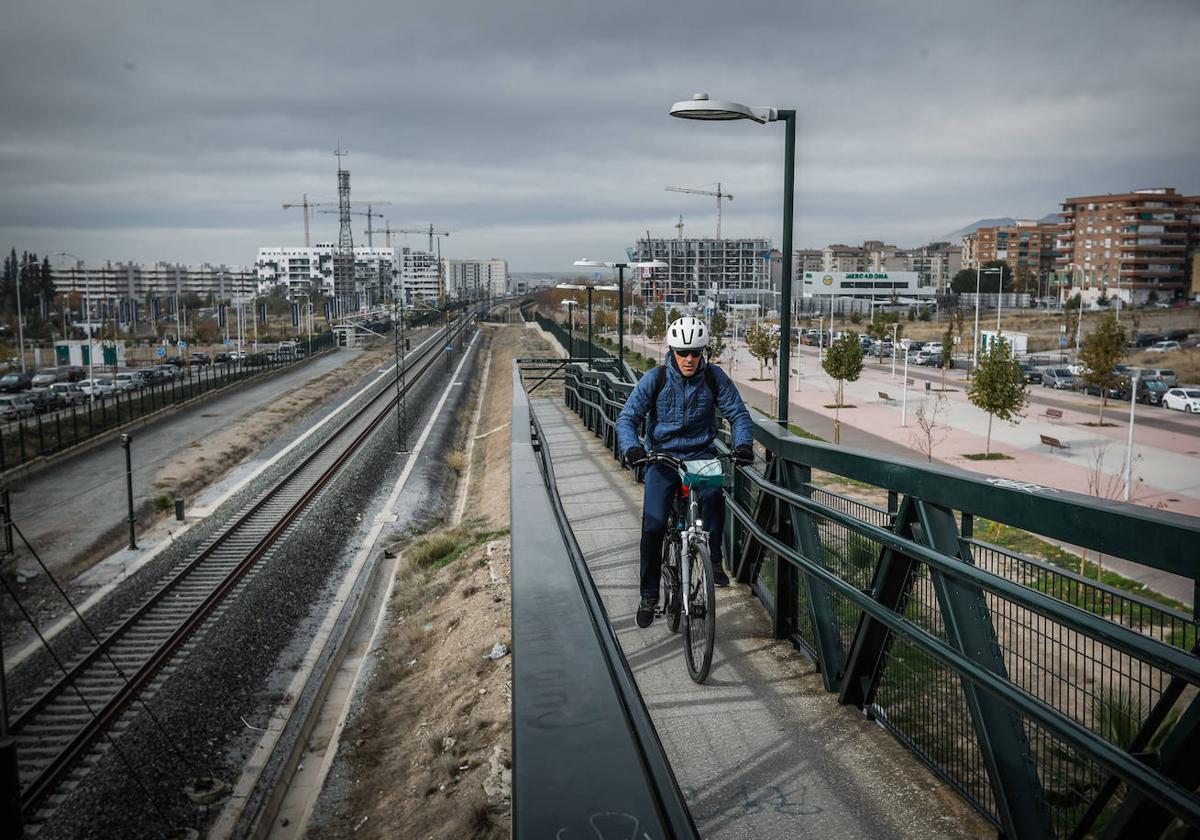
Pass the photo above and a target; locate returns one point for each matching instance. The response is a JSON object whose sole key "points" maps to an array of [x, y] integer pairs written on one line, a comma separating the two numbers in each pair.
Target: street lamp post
{"points": [[1133, 387], [979, 269], [895, 327], [589, 343], [700, 107], [620, 267]]}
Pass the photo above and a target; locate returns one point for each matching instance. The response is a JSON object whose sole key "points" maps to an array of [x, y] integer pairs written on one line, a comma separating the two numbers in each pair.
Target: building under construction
{"points": [[727, 270]]}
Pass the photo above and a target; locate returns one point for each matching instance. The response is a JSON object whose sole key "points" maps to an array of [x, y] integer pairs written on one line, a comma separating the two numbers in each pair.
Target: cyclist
{"points": [[679, 402]]}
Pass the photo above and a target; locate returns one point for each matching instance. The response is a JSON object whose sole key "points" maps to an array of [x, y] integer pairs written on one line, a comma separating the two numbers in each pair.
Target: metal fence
{"points": [[1056, 705], [24, 440]]}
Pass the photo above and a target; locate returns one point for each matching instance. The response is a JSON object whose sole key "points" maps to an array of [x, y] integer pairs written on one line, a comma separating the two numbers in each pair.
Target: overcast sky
{"points": [[538, 131]]}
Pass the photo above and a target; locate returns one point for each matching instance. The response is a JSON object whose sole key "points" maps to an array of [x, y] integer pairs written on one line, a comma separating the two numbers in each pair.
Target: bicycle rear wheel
{"points": [[700, 622], [672, 604]]}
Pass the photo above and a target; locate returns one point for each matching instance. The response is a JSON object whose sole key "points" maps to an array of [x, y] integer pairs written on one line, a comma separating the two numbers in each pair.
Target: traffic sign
{"points": [[160, 352], [228, 341], [1062, 341], [182, 345]]}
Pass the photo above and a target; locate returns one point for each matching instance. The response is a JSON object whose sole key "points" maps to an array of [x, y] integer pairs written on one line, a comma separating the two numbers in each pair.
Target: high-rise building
{"points": [[305, 269], [1029, 247], [1128, 244], [843, 258], [734, 270], [466, 278], [935, 264], [419, 278]]}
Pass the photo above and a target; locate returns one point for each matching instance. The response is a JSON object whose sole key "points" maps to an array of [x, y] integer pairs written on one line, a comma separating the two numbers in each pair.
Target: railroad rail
{"points": [[57, 730]]}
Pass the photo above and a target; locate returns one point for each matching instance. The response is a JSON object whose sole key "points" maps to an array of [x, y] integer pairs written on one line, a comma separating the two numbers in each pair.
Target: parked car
{"points": [[11, 383], [1163, 347], [166, 372], [144, 376], [46, 377], [222, 359], [14, 408], [1165, 375], [1145, 339], [1175, 335], [74, 373], [126, 382], [176, 361], [1183, 399], [1118, 392], [1151, 391], [97, 387], [199, 358], [70, 392], [45, 400], [1060, 379], [1032, 375]]}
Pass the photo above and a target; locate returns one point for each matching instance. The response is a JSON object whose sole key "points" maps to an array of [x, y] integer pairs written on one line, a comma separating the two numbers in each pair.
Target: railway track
{"points": [[58, 730]]}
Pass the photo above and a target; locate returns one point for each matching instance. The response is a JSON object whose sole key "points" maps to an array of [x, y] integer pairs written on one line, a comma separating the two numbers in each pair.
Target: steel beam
{"points": [[1016, 787]]}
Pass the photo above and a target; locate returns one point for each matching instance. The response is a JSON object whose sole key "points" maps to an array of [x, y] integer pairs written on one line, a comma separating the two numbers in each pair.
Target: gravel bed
{"points": [[210, 703]]}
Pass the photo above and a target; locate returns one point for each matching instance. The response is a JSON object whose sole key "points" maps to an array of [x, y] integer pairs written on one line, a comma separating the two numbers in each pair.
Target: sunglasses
{"points": [[692, 354]]}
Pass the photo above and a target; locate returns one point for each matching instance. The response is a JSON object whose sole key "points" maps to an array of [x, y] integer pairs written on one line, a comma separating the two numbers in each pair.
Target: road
{"points": [[79, 504]]}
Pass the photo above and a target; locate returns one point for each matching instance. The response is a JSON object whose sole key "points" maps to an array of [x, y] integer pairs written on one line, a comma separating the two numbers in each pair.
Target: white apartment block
{"points": [[419, 278], [303, 269], [465, 278], [133, 281], [738, 270]]}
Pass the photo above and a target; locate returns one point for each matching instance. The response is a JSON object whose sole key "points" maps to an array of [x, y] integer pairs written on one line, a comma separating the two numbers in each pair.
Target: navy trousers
{"points": [[661, 485]]}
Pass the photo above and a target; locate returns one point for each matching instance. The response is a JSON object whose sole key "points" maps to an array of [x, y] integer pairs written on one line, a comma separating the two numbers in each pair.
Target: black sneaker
{"points": [[719, 576], [645, 612]]}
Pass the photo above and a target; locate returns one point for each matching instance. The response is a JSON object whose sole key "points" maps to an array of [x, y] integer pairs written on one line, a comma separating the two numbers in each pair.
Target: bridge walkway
{"points": [[760, 750]]}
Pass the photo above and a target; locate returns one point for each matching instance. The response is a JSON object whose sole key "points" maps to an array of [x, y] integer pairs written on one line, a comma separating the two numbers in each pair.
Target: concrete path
{"points": [[760, 750]]}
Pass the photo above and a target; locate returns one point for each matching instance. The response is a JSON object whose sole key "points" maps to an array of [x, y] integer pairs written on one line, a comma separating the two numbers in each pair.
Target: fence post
{"points": [[41, 436]]}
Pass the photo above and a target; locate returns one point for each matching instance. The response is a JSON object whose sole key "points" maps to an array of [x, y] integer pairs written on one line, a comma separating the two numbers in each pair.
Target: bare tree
{"points": [[929, 432]]}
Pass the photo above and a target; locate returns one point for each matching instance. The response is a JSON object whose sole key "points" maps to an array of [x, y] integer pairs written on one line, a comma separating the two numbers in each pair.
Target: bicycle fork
{"points": [[686, 542]]}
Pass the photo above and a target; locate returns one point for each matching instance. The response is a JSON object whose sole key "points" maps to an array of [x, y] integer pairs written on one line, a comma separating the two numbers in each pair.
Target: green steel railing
{"points": [[1056, 705]]}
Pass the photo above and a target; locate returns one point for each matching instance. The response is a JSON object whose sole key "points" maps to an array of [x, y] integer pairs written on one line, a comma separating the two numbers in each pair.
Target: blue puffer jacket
{"points": [[687, 416]]}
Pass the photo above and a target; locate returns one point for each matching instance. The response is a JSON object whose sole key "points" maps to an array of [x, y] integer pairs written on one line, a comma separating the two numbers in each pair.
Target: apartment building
{"points": [[419, 276], [736, 270], [302, 269], [843, 258], [1029, 247], [466, 278], [1127, 245], [134, 281], [935, 264]]}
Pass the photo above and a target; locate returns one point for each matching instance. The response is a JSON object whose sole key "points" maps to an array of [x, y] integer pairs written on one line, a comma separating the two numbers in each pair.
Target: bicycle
{"points": [[687, 563]]}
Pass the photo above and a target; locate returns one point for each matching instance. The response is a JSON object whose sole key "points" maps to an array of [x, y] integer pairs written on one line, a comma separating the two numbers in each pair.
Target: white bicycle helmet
{"points": [[687, 333]]}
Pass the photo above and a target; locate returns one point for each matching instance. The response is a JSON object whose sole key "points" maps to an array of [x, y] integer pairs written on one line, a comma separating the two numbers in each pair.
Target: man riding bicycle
{"points": [[679, 402]]}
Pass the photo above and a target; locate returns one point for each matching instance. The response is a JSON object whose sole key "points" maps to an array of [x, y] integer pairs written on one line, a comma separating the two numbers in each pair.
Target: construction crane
{"points": [[306, 204], [370, 215], [679, 227], [719, 195], [430, 232]]}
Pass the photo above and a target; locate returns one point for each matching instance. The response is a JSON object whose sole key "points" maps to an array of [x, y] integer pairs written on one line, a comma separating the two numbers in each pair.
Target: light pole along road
{"points": [[620, 267], [700, 107]]}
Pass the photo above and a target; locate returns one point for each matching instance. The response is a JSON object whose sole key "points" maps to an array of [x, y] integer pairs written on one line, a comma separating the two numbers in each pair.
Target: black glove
{"points": [[634, 455], [743, 454]]}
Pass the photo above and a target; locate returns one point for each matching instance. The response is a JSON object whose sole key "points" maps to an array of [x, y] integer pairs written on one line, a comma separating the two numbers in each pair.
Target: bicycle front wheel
{"points": [[700, 621]]}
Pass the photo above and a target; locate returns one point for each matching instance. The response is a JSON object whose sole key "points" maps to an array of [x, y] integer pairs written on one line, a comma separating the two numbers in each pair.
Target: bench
{"points": [[884, 397], [1053, 414], [1053, 442]]}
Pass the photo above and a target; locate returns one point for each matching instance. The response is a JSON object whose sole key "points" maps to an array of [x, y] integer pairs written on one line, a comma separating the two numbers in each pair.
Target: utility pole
{"points": [[126, 440]]}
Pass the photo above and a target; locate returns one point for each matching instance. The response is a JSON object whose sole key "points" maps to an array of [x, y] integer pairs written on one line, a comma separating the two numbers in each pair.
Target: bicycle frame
{"points": [[688, 538]]}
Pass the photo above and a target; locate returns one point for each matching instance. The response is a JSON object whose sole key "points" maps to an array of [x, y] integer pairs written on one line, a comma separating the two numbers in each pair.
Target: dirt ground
{"points": [[431, 747]]}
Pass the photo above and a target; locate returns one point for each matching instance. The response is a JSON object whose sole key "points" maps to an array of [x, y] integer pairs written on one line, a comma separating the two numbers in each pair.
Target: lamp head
{"points": [[700, 107], [652, 264]]}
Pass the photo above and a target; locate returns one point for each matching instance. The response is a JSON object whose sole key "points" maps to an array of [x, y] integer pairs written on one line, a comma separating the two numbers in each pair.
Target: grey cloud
{"points": [[539, 130]]}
